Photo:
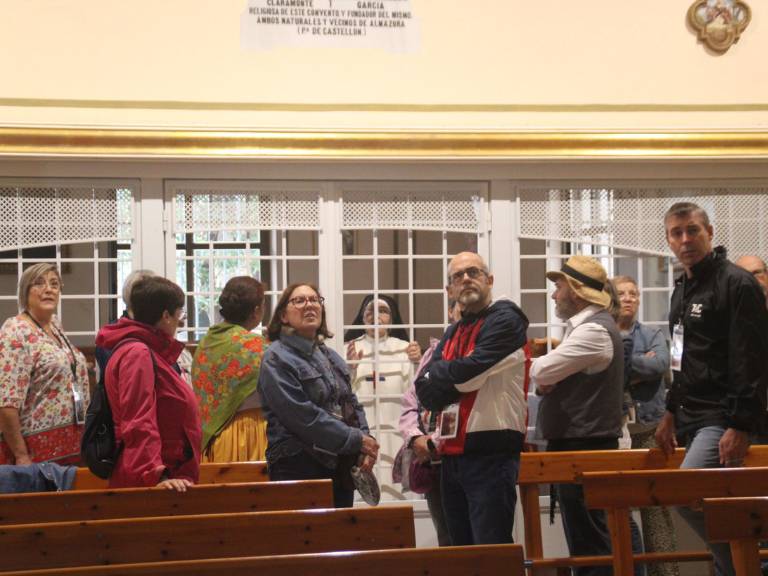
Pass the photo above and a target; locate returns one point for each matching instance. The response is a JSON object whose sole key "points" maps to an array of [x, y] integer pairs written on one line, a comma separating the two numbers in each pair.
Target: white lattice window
{"points": [[631, 218], [40, 214], [85, 228], [397, 240], [454, 208], [624, 227], [224, 229]]}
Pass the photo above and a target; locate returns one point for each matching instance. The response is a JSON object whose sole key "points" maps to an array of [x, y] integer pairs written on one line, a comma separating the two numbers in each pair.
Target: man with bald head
{"points": [[755, 266], [475, 386]]}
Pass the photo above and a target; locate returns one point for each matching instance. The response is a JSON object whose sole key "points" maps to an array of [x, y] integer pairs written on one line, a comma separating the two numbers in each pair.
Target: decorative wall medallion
{"points": [[719, 23]]}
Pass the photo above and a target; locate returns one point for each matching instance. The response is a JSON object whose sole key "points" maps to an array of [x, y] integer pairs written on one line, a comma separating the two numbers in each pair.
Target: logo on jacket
{"points": [[696, 310]]}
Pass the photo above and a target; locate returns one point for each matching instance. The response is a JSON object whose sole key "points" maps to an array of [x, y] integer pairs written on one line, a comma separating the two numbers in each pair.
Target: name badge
{"points": [[448, 422], [676, 348], [78, 405]]}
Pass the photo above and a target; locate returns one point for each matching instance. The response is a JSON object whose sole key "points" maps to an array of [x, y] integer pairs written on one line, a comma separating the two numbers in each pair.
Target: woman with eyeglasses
{"points": [[225, 376], [43, 377], [316, 428], [155, 411]]}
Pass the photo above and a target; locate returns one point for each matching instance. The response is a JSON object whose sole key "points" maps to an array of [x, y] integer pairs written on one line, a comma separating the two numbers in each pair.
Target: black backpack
{"points": [[98, 447]]}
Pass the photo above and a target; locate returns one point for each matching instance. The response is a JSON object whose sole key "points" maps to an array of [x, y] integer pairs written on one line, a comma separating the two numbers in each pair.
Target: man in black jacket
{"points": [[475, 381], [718, 322]]}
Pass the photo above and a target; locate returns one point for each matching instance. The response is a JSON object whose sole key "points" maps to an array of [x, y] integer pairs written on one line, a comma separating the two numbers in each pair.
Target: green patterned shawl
{"points": [[225, 372]]}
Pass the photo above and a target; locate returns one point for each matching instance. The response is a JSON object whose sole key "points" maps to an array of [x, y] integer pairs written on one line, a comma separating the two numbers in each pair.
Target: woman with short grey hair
{"points": [[43, 377]]}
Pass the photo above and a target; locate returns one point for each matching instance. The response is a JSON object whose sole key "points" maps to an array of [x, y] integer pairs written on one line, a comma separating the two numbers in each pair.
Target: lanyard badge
{"points": [[78, 405], [676, 348], [448, 422]]}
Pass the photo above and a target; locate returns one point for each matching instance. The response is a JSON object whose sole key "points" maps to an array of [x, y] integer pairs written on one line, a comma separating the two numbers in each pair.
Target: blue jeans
{"points": [[479, 497], [703, 451]]}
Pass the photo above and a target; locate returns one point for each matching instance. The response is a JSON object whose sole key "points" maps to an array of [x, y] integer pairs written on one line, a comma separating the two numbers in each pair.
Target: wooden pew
{"points": [[743, 522], [141, 540], [210, 473], [618, 492], [137, 502], [493, 560], [567, 467]]}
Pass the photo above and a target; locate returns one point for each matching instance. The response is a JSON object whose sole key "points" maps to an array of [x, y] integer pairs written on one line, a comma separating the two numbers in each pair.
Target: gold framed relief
{"points": [[719, 23]]}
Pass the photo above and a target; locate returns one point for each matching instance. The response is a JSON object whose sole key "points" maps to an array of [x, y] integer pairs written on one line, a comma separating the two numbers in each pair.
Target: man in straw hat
{"points": [[581, 384]]}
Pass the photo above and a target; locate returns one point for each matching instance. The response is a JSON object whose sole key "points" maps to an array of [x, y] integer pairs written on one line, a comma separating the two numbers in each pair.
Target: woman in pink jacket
{"points": [[154, 409]]}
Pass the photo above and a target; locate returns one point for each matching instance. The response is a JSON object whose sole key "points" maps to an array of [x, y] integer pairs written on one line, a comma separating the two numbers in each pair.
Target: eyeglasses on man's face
{"points": [[304, 301], [473, 272], [42, 284]]}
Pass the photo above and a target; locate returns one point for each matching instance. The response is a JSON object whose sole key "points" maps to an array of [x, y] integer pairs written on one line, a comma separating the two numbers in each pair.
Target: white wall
{"points": [[480, 64]]}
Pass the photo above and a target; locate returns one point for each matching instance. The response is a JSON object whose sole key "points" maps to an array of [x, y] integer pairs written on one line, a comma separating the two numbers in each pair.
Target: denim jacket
{"points": [[647, 373], [303, 385], [41, 477]]}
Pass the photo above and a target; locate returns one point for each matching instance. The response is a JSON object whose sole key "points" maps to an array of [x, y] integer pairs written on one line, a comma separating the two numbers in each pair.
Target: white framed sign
{"points": [[385, 24]]}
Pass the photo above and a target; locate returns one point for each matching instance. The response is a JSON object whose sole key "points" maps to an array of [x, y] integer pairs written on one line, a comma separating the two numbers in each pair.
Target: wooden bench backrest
{"points": [[137, 502], [671, 487], [729, 519], [556, 467], [744, 523], [617, 492], [559, 467], [210, 473], [486, 560], [563, 467], [139, 540]]}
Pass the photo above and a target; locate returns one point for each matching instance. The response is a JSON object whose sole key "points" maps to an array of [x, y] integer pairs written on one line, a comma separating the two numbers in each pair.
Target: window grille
{"points": [[210, 206], [85, 228], [397, 240], [35, 214], [224, 229], [455, 208], [631, 218]]}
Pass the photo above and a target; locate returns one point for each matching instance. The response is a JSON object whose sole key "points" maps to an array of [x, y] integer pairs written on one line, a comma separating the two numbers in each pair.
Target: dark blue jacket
{"points": [[503, 331]]}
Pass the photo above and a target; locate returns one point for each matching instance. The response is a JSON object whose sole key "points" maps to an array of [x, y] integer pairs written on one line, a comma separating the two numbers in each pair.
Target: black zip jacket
{"points": [[503, 331], [725, 356]]}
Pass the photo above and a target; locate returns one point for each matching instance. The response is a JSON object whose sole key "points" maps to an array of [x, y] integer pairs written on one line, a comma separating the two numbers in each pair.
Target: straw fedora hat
{"points": [[586, 277]]}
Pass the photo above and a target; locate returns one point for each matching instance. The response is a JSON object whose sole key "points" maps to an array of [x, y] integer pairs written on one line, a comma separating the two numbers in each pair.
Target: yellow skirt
{"points": [[243, 439]]}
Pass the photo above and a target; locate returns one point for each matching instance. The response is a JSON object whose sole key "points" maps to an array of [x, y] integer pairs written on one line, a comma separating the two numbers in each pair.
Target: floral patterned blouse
{"points": [[37, 376]]}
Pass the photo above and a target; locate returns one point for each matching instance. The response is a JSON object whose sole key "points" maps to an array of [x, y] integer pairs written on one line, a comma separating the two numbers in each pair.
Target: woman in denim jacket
{"points": [[316, 427]]}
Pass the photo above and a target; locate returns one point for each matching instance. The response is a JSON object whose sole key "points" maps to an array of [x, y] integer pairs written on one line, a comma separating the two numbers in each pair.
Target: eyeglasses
{"points": [[473, 272], [303, 301], [42, 284], [629, 296], [181, 314]]}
